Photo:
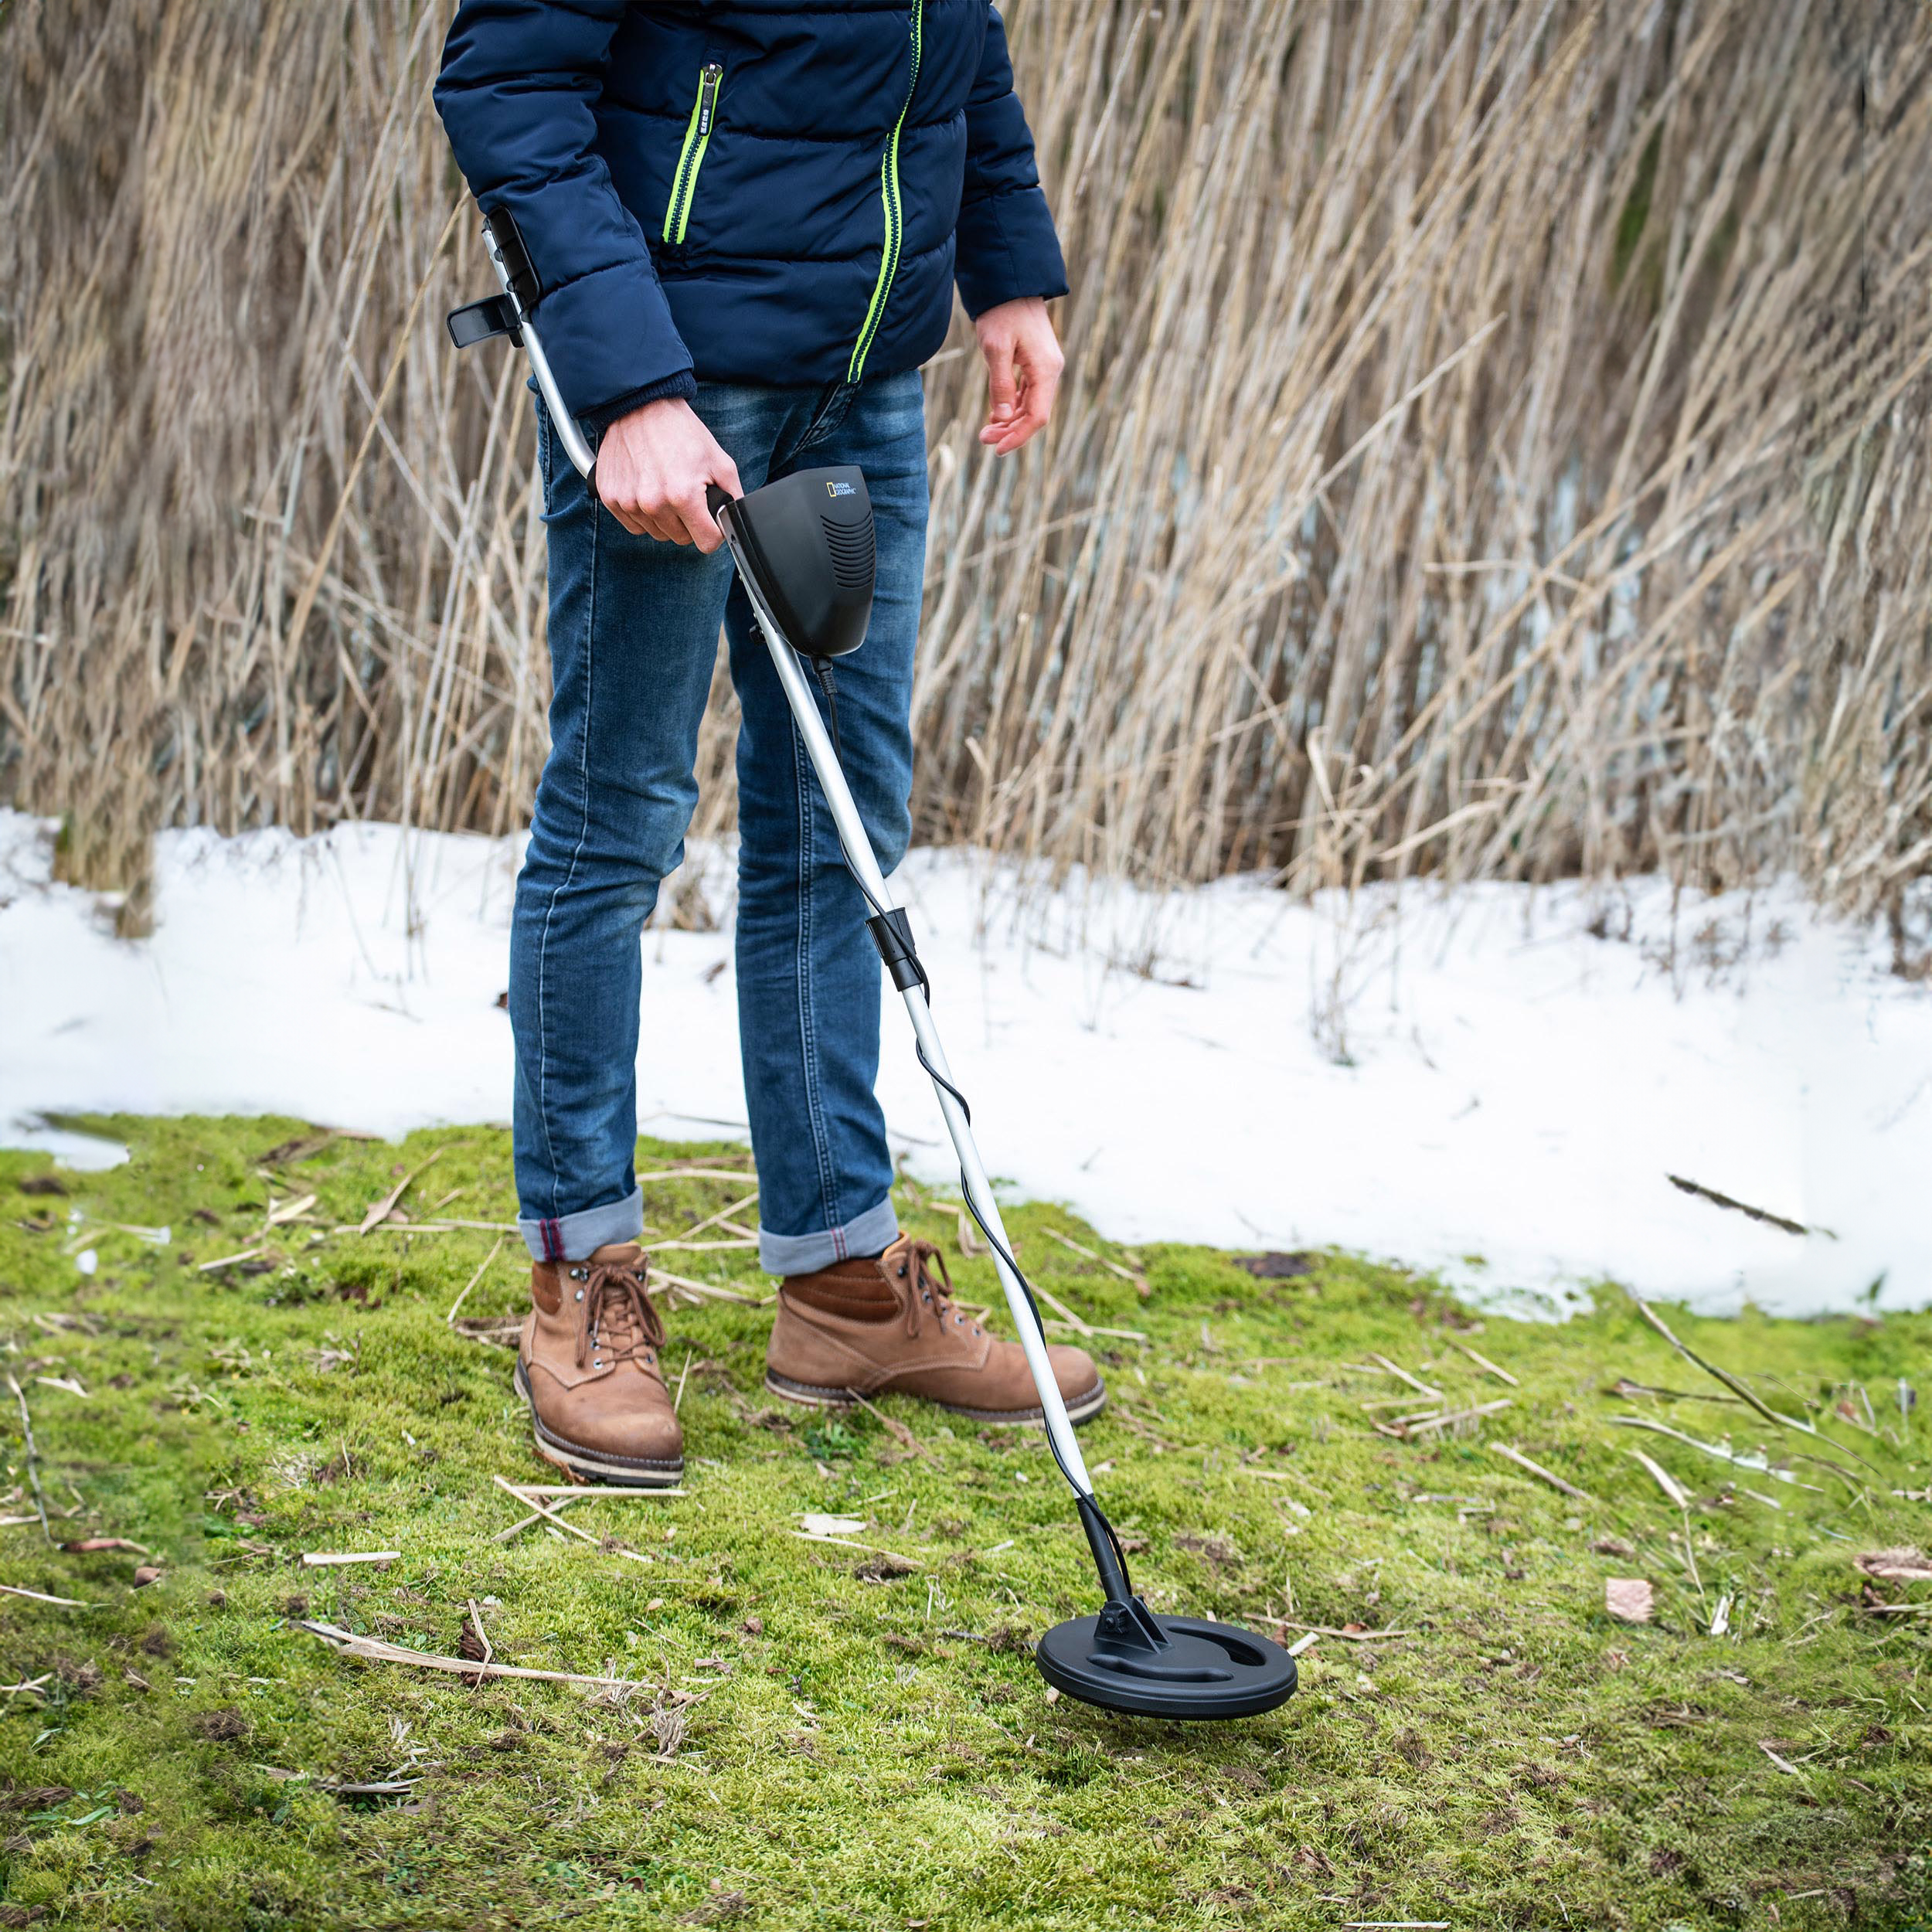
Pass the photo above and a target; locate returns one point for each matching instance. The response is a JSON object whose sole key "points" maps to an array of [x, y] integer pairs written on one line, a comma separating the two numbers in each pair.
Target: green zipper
{"points": [[895, 215], [697, 135]]}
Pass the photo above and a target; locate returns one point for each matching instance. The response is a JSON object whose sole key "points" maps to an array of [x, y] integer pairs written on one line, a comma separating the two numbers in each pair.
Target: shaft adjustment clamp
{"points": [[892, 933]]}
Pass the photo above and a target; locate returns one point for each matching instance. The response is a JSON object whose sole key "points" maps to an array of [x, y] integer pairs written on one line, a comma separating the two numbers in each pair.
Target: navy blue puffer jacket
{"points": [[754, 192]]}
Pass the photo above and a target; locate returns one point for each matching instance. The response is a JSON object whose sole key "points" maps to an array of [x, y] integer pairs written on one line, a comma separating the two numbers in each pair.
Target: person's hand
{"points": [[1023, 364], [652, 467]]}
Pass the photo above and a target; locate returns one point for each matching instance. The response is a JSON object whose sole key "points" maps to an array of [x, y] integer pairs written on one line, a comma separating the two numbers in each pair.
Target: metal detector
{"points": [[804, 553]]}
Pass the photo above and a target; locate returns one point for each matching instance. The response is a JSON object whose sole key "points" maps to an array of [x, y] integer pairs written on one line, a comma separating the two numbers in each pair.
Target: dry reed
{"points": [[1495, 443]]}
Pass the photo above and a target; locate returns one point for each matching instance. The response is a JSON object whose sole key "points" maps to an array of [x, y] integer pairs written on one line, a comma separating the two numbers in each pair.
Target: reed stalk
{"points": [[1495, 445]]}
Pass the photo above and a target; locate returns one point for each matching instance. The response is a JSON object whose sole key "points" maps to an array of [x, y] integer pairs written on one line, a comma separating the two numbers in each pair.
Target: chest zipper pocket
{"points": [[697, 136]]}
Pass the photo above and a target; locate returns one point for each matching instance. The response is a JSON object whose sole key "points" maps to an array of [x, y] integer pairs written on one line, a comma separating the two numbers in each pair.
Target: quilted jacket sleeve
{"points": [[517, 92], [1007, 248]]}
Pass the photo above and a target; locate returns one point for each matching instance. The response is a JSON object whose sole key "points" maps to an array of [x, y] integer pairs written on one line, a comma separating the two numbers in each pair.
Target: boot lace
{"points": [[619, 1320], [931, 1287]]}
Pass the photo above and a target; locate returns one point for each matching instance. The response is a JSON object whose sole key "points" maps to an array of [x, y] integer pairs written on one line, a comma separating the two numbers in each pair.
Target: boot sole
{"points": [[806, 1394], [583, 1465]]}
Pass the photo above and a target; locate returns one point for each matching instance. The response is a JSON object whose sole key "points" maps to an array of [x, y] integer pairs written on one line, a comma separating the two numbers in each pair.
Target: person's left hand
{"points": [[1023, 364]]}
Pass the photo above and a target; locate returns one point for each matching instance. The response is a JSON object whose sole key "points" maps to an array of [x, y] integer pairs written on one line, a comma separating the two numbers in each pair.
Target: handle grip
{"points": [[715, 500]]}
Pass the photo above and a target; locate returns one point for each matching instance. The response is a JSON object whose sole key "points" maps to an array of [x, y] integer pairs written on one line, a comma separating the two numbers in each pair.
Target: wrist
{"points": [[681, 385]]}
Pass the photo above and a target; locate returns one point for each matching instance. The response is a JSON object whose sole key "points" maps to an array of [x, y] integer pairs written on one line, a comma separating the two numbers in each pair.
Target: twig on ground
{"points": [[289, 1211], [380, 1210], [1731, 1381], [845, 1542], [1060, 1309], [41, 1596], [482, 1269], [698, 1227], [1483, 1362], [677, 1401], [1414, 1382], [710, 1288], [332, 1559], [896, 1429], [1665, 1480], [482, 1637], [1054, 1326], [33, 1454], [228, 1260], [1067, 1241], [550, 1515], [1422, 1425], [1761, 1465], [1624, 1386], [1536, 1469], [345, 1643], [1303, 1643], [524, 1522], [1770, 1220]]}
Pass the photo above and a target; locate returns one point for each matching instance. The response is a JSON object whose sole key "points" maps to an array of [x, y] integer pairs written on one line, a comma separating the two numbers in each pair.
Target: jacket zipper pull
{"points": [[697, 135]]}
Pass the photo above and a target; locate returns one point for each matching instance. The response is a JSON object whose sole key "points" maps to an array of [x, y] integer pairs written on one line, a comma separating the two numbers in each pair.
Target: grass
{"points": [[851, 1758]]}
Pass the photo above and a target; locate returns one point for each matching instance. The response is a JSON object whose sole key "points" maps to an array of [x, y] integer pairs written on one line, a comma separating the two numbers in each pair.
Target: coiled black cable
{"points": [[822, 671]]}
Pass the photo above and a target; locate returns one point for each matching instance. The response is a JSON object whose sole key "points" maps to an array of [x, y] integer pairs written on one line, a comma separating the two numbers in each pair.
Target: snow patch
{"points": [[1474, 1082]]}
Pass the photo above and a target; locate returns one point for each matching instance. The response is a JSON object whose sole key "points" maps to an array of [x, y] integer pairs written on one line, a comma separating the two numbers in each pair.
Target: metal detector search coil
{"points": [[805, 553]]}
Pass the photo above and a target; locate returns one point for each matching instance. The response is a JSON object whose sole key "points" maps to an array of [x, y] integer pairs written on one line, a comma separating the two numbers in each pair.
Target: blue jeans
{"points": [[633, 633]]}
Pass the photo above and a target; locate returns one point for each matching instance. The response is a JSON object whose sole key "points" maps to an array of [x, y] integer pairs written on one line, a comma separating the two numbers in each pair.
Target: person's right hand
{"points": [[652, 467]]}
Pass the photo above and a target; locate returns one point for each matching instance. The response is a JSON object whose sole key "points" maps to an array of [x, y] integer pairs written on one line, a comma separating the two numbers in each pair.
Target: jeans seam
{"points": [[831, 413], [569, 879], [807, 1027]]}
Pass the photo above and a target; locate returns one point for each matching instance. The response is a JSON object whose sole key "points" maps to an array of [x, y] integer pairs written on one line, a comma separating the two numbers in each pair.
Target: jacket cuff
{"points": [[1007, 249], [609, 334], [683, 387]]}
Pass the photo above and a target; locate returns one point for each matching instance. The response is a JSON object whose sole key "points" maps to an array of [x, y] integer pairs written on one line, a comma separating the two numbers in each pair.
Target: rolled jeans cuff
{"points": [[572, 1237], [871, 1232]]}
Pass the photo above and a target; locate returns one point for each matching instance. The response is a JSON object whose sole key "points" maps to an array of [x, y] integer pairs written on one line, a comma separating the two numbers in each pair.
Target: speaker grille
{"points": [[852, 559]]}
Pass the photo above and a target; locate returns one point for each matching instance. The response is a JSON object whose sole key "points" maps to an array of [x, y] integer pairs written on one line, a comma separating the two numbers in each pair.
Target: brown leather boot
{"points": [[861, 1326], [587, 1364]]}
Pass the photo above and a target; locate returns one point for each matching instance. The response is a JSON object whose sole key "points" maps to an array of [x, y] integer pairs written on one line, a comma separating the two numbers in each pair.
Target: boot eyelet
{"points": [[580, 1294]]}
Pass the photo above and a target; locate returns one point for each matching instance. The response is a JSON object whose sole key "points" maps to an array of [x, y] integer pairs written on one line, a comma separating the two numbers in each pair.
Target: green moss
{"points": [[1514, 1759]]}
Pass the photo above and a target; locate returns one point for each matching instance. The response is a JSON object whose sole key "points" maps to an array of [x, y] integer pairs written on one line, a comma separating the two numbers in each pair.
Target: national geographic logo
{"points": [[840, 489]]}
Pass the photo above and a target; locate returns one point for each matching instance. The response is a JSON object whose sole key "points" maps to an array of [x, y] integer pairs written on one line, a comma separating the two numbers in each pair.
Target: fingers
{"points": [[1023, 364], [695, 524], [1002, 386], [724, 473], [1038, 366]]}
